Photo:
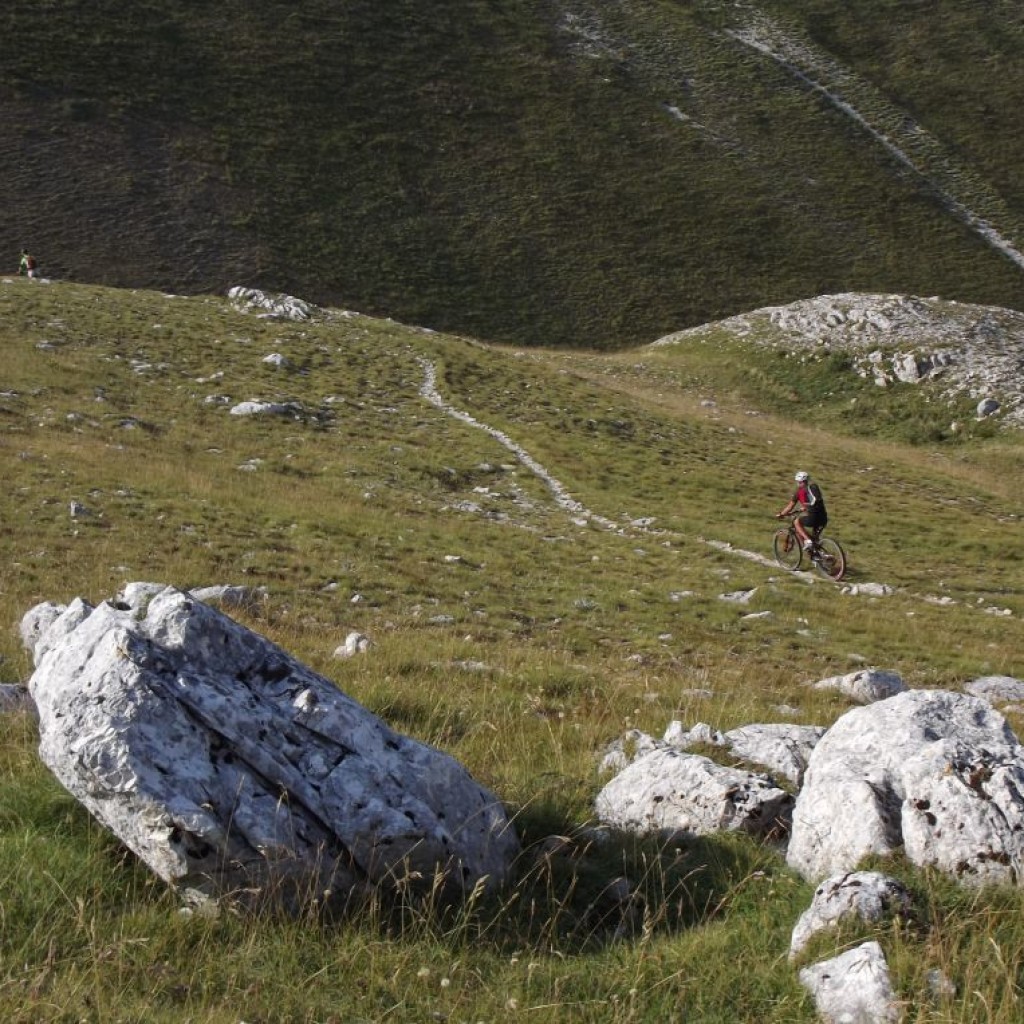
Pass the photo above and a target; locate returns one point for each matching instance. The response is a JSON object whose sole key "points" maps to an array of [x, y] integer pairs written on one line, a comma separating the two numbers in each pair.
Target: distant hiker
{"points": [[813, 516], [27, 266]]}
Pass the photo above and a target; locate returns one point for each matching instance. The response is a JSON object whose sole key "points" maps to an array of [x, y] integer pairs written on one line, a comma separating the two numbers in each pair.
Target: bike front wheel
{"points": [[786, 546], [830, 559]]}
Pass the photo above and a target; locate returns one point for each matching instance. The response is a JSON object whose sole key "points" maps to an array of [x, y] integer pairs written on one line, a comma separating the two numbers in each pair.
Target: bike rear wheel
{"points": [[786, 546], [830, 559]]}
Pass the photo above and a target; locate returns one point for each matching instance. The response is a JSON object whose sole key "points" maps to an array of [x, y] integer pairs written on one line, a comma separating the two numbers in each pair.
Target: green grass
{"points": [[524, 657]]}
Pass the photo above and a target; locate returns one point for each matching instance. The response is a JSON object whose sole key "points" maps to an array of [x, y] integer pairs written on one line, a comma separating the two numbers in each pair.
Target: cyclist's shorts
{"points": [[812, 522]]}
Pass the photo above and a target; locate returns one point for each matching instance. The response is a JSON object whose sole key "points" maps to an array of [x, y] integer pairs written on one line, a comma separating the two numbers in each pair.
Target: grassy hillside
{"points": [[544, 639], [547, 173]]}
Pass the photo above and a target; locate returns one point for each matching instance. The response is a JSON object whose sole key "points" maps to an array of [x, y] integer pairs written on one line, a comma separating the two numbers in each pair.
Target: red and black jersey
{"points": [[809, 495]]}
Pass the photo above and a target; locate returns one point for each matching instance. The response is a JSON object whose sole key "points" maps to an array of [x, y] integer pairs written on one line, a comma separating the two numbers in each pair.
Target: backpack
{"points": [[30, 262]]}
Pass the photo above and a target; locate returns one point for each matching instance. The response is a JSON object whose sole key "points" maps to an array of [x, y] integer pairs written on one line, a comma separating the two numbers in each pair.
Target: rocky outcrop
{"points": [[969, 351], [230, 768], [938, 775], [271, 305]]}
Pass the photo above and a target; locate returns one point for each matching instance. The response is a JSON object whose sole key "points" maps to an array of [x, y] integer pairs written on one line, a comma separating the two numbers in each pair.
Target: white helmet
{"points": [[800, 477]]}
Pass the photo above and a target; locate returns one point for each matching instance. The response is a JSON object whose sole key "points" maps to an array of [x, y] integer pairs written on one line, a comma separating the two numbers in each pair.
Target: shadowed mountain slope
{"points": [[559, 173]]}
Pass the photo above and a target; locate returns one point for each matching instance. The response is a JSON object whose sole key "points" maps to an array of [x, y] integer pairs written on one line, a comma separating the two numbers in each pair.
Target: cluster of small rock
{"points": [[935, 775], [976, 351]]}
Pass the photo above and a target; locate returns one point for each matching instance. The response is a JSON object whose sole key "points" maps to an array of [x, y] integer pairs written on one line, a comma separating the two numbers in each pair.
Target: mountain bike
{"points": [[826, 554]]}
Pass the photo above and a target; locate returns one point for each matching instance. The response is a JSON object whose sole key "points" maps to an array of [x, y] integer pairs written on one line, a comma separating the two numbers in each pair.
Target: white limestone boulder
{"points": [[864, 686], [997, 689], [854, 988], [227, 766], [229, 595], [939, 775], [782, 748], [868, 895], [669, 790]]}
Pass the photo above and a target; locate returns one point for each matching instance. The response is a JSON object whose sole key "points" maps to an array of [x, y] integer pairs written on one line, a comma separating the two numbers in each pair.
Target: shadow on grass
{"points": [[579, 887]]}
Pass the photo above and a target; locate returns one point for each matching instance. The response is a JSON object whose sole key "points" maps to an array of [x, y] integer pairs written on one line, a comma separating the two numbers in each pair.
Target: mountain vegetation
{"points": [[543, 172]]}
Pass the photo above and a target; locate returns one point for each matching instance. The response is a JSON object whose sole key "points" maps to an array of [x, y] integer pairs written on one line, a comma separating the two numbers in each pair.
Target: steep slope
{"points": [[554, 172]]}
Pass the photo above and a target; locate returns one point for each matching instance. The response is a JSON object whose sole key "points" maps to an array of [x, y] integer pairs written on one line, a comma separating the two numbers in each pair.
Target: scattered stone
{"points": [[935, 774], [868, 590], [869, 895], [1004, 689], [355, 643], [15, 698], [277, 360], [854, 988], [255, 408], [225, 595], [739, 596], [940, 985], [681, 738], [233, 770], [673, 791], [865, 686]]}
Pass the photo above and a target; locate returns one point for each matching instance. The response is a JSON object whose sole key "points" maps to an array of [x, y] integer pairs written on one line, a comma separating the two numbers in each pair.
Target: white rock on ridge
{"points": [[274, 305], [937, 774], [869, 895], [854, 988], [967, 351], [228, 766], [865, 685], [671, 790]]}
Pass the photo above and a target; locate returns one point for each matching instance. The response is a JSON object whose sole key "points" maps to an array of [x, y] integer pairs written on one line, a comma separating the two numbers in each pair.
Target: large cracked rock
{"points": [[939, 775], [228, 766]]}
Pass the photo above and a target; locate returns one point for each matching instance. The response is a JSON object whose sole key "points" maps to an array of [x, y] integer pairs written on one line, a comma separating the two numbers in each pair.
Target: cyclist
{"points": [[813, 515]]}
